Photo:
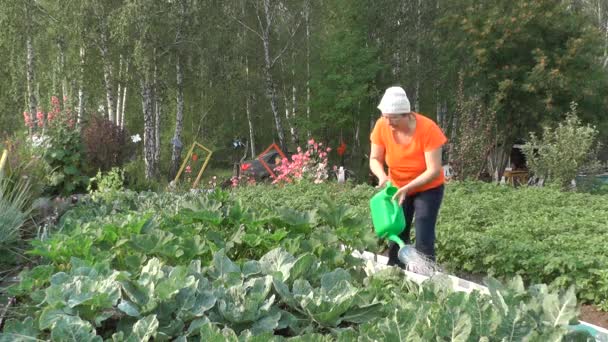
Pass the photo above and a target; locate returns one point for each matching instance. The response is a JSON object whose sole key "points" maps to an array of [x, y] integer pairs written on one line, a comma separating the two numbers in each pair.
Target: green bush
{"points": [[64, 153], [135, 177], [563, 151]]}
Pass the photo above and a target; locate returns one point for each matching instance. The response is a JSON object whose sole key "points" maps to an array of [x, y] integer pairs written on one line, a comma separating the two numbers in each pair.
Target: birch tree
{"points": [[266, 12]]}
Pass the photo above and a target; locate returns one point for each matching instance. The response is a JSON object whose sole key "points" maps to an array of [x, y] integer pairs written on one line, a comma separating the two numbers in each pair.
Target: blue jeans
{"points": [[423, 208]]}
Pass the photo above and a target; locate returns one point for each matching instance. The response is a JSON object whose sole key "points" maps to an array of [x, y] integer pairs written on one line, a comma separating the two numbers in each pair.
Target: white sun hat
{"points": [[394, 101]]}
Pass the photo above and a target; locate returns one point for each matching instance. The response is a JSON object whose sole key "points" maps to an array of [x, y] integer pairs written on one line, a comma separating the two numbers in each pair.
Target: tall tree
{"points": [[266, 12], [526, 62]]}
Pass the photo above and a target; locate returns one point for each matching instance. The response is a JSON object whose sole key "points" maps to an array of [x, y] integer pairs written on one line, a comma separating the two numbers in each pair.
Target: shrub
{"points": [[106, 144], [563, 151], [112, 180], [311, 164], [63, 151], [472, 137]]}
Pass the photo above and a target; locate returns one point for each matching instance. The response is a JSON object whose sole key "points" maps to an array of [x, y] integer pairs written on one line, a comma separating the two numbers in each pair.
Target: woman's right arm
{"points": [[376, 164]]}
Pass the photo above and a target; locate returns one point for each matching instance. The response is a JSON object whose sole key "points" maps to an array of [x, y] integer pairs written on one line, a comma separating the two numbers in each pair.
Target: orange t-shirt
{"points": [[406, 162]]}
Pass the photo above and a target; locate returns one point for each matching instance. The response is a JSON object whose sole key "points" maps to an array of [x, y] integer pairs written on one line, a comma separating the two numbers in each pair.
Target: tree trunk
{"points": [[118, 97], [293, 128], [179, 121], [65, 99], [418, 44], [307, 19], [157, 113], [248, 110], [270, 85], [107, 72], [149, 140], [124, 99], [31, 79], [289, 116], [81, 86]]}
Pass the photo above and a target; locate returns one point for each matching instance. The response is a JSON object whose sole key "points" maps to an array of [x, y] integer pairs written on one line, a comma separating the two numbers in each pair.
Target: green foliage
{"points": [[348, 65], [15, 209], [64, 154], [563, 151], [112, 180], [135, 177], [146, 266], [25, 162], [473, 137], [542, 234], [527, 58]]}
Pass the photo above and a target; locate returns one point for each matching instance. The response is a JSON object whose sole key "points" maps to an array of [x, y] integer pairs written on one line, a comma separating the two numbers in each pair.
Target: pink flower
{"points": [[188, 169], [311, 141], [28, 121], [40, 118]]}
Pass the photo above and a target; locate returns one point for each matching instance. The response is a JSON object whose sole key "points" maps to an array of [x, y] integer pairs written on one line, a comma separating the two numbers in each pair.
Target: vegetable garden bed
{"points": [[140, 266]]}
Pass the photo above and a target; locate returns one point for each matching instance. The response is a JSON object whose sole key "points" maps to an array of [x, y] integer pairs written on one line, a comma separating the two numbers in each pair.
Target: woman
{"points": [[410, 144]]}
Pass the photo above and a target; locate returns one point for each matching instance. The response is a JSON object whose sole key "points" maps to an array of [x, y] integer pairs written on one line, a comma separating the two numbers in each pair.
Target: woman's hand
{"points": [[381, 182], [401, 193]]}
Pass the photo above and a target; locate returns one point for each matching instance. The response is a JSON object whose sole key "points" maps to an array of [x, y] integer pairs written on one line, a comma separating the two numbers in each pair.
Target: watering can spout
{"points": [[397, 240]]}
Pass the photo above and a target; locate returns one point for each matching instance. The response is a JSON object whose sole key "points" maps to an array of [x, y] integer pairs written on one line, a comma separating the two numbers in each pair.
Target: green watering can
{"points": [[387, 215]]}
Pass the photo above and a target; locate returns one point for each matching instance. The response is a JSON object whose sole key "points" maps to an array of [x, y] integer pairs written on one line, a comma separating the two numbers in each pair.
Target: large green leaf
{"points": [[144, 329], [277, 263], [16, 331], [73, 329], [559, 311], [398, 327], [223, 268]]}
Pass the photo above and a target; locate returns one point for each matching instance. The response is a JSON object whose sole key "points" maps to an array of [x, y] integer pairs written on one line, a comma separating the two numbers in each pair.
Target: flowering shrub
{"points": [[61, 148], [311, 164]]}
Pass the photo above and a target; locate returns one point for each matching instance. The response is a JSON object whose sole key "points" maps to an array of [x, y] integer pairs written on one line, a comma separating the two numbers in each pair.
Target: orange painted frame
{"points": [[264, 164]]}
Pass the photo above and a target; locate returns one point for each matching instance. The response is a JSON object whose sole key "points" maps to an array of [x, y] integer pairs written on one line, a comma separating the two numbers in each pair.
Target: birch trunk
{"points": [[179, 120], [270, 85], [157, 112], [307, 20], [248, 110], [64, 80], [293, 128], [118, 98], [81, 86], [149, 140], [31, 79], [124, 99], [418, 43], [289, 115], [107, 72]]}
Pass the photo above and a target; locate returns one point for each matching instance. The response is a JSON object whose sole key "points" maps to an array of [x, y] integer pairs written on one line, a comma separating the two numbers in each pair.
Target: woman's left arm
{"points": [[433, 170]]}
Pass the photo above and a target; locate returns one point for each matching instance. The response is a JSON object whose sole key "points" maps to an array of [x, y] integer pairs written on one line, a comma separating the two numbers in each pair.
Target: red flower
{"points": [[341, 149], [194, 157]]}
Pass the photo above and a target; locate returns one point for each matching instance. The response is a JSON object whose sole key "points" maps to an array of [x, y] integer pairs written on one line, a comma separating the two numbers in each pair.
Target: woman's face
{"points": [[396, 121]]}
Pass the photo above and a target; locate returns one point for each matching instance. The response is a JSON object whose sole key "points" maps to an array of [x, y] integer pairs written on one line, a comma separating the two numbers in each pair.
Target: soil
{"points": [[593, 315]]}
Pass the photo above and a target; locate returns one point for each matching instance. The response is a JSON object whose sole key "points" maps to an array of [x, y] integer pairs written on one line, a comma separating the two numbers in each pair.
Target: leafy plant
{"points": [[472, 136], [63, 152], [14, 210], [563, 151], [112, 180]]}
